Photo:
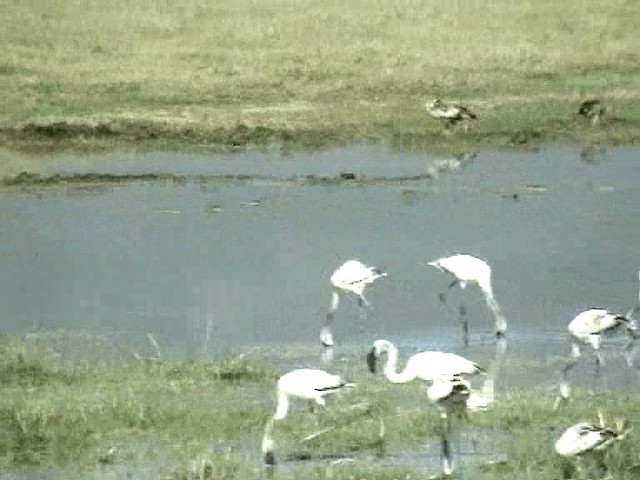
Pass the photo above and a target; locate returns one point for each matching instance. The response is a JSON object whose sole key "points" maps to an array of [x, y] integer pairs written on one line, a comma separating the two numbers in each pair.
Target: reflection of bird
{"points": [[592, 110], [587, 437], [588, 326], [353, 276], [448, 389], [304, 383], [469, 269], [452, 113]]}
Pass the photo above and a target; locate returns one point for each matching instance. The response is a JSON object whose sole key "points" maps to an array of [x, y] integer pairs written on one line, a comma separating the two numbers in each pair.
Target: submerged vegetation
{"points": [[203, 419], [98, 74]]}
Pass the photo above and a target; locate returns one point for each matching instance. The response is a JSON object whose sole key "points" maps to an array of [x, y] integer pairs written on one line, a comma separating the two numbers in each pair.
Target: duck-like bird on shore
{"points": [[592, 110], [452, 113]]}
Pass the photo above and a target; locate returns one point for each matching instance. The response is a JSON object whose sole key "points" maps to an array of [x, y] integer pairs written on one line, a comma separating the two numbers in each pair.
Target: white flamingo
{"points": [[588, 327], [352, 276], [448, 390], [586, 437], [429, 366], [308, 384], [466, 269]]}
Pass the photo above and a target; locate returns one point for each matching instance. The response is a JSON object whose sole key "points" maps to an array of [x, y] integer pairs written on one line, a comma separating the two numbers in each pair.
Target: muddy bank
{"points": [[426, 135], [87, 136], [431, 171], [344, 178]]}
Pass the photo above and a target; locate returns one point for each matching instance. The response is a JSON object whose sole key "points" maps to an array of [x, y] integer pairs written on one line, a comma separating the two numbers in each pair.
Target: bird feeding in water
{"points": [[588, 327], [467, 269], [307, 384], [448, 388], [452, 113], [352, 277]]}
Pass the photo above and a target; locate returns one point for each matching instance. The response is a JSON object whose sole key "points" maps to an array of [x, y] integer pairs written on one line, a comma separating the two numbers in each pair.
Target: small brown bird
{"points": [[592, 110], [452, 113]]}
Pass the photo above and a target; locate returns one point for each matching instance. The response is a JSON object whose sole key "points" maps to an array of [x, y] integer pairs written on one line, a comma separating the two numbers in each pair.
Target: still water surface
{"points": [[215, 265]]}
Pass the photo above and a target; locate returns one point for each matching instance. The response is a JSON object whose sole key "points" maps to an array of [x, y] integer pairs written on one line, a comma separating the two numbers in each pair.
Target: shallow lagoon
{"points": [[232, 255]]}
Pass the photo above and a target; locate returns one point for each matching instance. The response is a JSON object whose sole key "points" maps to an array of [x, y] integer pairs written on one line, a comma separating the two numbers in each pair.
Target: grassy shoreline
{"points": [[100, 76], [178, 419]]}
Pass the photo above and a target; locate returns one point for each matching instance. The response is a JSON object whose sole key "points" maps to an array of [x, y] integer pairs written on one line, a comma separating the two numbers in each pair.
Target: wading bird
{"points": [[448, 389], [588, 326], [308, 384], [469, 269], [450, 395], [586, 437], [429, 366], [592, 110], [353, 276], [451, 113]]}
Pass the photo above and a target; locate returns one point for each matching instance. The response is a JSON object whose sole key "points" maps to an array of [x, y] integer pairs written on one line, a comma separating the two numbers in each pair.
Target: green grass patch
{"points": [[205, 419]]}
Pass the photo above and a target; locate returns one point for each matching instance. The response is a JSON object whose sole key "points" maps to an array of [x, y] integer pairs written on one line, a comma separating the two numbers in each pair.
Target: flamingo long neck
{"points": [[281, 412], [492, 303], [283, 406], [390, 368], [267, 439]]}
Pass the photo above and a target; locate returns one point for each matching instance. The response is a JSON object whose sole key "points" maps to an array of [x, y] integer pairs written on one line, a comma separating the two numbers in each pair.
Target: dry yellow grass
{"points": [[196, 66]]}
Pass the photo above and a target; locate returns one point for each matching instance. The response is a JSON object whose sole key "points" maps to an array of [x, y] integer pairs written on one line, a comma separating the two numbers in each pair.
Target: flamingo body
{"points": [[351, 277], [307, 384], [588, 326], [448, 390], [585, 437], [428, 366], [467, 269]]}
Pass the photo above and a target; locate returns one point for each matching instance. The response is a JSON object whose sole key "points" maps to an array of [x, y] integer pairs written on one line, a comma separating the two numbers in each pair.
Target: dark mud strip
{"points": [[35, 179], [431, 172]]}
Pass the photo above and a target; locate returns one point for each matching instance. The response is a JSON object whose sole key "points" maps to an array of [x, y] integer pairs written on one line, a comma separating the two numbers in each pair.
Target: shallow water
{"points": [[202, 267]]}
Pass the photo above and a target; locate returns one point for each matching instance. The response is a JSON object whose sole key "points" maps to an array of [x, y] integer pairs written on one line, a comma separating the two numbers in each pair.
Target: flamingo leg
{"points": [[462, 312], [599, 361], [447, 453], [465, 324], [363, 313], [326, 337]]}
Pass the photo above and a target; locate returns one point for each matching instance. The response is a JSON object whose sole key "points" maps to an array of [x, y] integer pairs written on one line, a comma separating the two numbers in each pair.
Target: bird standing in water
{"points": [[588, 327], [448, 388], [352, 277], [467, 269]]}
